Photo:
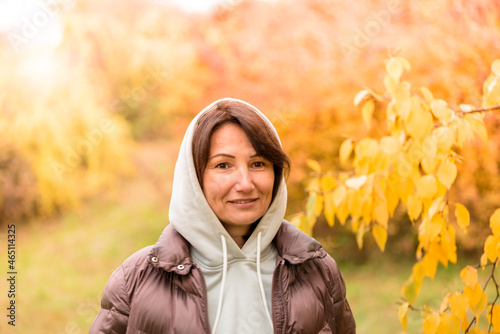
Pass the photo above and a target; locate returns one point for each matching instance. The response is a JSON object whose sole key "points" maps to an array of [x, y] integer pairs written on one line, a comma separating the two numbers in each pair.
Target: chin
{"points": [[245, 221]]}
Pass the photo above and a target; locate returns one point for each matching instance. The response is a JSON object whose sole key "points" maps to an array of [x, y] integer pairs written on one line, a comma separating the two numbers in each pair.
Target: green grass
{"points": [[63, 264], [373, 291]]}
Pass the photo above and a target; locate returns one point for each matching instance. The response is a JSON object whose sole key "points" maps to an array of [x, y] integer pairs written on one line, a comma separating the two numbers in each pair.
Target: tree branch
{"points": [[490, 277], [496, 297], [479, 110]]}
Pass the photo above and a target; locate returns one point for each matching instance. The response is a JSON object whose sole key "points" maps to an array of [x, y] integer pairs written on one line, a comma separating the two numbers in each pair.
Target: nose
{"points": [[244, 181]]}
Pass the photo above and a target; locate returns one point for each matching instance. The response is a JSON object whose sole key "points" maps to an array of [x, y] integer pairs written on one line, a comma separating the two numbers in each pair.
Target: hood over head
{"points": [[191, 215]]}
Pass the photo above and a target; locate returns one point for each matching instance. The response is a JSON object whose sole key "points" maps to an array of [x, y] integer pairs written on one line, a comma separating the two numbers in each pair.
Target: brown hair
{"points": [[259, 133]]}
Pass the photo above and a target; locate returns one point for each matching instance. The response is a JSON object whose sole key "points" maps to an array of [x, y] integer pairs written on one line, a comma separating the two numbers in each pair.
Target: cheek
{"points": [[216, 185], [267, 183]]}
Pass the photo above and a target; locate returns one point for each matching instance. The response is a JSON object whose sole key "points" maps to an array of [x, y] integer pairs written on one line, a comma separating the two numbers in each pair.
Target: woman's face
{"points": [[237, 183]]}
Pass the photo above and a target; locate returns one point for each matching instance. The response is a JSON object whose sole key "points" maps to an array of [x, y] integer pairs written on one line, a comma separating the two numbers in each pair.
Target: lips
{"points": [[243, 201]]}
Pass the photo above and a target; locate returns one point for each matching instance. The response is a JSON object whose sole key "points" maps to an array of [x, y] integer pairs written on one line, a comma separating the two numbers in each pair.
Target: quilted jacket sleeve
{"points": [[344, 320], [115, 306]]}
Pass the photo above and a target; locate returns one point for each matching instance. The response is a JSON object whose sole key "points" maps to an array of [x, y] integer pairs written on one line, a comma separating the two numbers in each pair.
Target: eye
{"points": [[222, 165], [259, 164]]}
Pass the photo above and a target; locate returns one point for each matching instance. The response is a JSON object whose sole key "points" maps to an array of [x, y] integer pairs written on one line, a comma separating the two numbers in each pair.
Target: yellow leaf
{"points": [[444, 137], [494, 317], [345, 151], [449, 324], [390, 85], [458, 304], [491, 91], [429, 265], [414, 207], [311, 208], [314, 165], [339, 195], [392, 202], [411, 290], [469, 276], [444, 303], [427, 94], [441, 111], [427, 186], [403, 107], [447, 173], [360, 232], [476, 123], [366, 148], [343, 212], [430, 323], [448, 243], [296, 220], [415, 152], [404, 62], [356, 182], [429, 150], [380, 213], [435, 207], [302, 223], [484, 260], [419, 123], [314, 185], [463, 131], [481, 305], [329, 208], [390, 145], [477, 299], [318, 206], [403, 315], [495, 67], [462, 215], [355, 202], [380, 235], [418, 272], [407, 185], [495, 222], [362, 95], [367, 112], [490, 248], [394, 68], [437, 251], [430, 228], [327, 183]]}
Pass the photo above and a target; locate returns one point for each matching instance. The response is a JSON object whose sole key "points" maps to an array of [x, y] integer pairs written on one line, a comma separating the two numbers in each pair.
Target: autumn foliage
{"points": [[418, 162], [415, 163]]}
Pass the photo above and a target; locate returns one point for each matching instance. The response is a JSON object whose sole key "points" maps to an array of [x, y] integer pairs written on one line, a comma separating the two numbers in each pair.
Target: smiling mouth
{"points": [[243, 201]]}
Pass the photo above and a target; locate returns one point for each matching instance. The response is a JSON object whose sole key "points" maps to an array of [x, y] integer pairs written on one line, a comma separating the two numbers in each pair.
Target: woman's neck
{"points": [[239, 233]]}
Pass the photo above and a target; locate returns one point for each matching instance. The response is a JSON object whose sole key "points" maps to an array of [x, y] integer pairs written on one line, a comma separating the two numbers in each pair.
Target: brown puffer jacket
{"points": [[160, 290]]}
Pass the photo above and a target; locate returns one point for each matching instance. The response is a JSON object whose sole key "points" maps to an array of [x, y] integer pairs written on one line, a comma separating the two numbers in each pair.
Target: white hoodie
{"points": [[244, 304]]}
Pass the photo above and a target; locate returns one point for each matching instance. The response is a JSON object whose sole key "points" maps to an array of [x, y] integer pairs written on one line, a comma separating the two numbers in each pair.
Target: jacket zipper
{"points": [[204, 301], [281, 294]]}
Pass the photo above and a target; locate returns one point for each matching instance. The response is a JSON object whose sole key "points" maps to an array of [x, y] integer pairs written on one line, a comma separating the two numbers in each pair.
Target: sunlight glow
{"points": [[39, 68], [31, 23]]}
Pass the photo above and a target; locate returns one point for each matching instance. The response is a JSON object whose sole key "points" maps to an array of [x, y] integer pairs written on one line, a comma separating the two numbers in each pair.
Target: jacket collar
{"points": [[294, 246], [172, 252]]}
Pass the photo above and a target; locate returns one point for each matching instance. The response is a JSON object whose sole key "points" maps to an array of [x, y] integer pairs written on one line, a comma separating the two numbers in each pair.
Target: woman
{"points": [[228, 262]]}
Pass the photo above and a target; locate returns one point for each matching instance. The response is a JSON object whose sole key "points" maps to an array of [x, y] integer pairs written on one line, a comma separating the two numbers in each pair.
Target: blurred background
{"points": [[95, 97]]}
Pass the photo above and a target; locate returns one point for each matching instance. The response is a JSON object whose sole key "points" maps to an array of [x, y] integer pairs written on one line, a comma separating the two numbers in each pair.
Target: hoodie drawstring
{"points": [[261, 285], [223, 283]]}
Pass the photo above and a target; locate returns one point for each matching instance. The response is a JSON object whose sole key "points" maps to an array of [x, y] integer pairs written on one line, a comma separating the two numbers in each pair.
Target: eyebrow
{"points": [[230, 156]]}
